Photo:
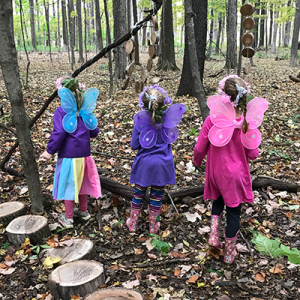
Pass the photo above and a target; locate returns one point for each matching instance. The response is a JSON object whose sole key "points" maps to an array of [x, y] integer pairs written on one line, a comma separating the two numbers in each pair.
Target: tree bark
{"points": [[275, 27], [190, 33], [38, 20], [262, 28], [128, 15], [231, 56], [136, 38], [46, 5], [58, 28], [79, 26], [32, 25], [241, 44], [211, 32], [85, 29], [271, 24], [99, 40], [10, 72], [64, 23], [144, 39], [217, 49], [255, 43], [72, 31], [186, 86], [119, 14], [92, 15], [287, 30], [294, 47]]}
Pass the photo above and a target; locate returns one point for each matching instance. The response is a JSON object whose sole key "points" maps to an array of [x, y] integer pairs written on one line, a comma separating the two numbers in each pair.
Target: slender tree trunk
{"points": [[136, 37], [32, 25], [79, 24], [38, 21], [129, 15], [190, 32], [167, 49], [294, 47], [111, 78], [10, 71], [255, 44], [211, 32], [46, 5], [273, 49], [92, 14], [65, 26], [181, 36], [72, 31], [271, 24], [287, 30], [99, 40], [186, 86], [144, 39], [231, 57], [85, 29], [262, 28], [119, 15], [241, 46], [217, 49], [54, 17], [58, 27]]}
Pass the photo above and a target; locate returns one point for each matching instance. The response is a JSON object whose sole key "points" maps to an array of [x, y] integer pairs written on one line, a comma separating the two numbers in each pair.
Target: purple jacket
{"points": [[70, 145]]}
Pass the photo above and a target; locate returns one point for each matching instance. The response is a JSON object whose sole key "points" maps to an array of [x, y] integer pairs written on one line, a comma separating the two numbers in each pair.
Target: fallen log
{"points": [[295, 79], [258, 182]]}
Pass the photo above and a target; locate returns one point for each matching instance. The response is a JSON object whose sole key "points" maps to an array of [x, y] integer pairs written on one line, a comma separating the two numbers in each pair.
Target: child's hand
{"points": [[45, 156]]}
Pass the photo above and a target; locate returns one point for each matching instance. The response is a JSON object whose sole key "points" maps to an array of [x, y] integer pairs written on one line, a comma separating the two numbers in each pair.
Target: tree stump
{"points": [[149, 64], [129, 46], [81, 277], [152, 51], [30, 226], [80, 249], [10, 210], [115, 294], [129, 69]]}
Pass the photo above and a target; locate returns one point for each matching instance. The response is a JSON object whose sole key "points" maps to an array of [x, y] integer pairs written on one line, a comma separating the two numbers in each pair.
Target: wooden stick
{"points": [[247, 243], [172, 202], [266, 159], [8, 128]]}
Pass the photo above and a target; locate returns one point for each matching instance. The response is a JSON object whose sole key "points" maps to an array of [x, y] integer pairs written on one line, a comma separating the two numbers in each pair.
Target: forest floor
{"points": [[188, 270]]}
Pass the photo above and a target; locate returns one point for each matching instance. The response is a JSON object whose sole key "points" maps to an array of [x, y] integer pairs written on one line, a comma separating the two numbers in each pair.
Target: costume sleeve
{"points": [[203, 142], [252, 154], [94, 133], [58, 133], [135, 143]]}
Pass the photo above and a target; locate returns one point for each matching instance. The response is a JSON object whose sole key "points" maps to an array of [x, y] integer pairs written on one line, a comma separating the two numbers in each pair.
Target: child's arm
{"points": [[58, 133], [252, 154], [94, 133], [203, 143], [135, 143]]}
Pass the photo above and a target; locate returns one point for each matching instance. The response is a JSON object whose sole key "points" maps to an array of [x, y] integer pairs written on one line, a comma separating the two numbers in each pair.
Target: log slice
{"points": [[30, 226], [115, 294], [10, 210], [129, 46], [129, 69], [81, 277], [149, 64], [152, 51], [79, 249]]}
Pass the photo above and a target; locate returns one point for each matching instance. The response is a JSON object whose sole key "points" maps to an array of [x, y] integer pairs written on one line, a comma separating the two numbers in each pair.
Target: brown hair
{"points": [[155, 104], [230, 90]]}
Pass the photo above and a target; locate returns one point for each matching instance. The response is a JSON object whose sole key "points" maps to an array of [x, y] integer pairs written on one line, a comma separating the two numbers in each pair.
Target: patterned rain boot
{"points": [[154, 224], [230, 249], [132, 221], [214, 237]]}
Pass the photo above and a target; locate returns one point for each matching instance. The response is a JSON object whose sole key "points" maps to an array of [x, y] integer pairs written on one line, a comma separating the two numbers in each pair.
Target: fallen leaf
{"points": [[275, 271], [177, 272], [138, 276], [164, 208], [241, 248], [203, 230], [131, 284], [49, 262], [193, 279], [75, 297], [166, 233], [7, 272], [289, 214], [215, 252], [260, 276], [153, 256], [142, 239], [177, 255], [138, 251], [53, 242], [192, 217]]}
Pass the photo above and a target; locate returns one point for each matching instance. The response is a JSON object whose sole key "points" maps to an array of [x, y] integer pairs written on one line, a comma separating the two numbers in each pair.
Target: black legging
{"points": [[233, 216]]}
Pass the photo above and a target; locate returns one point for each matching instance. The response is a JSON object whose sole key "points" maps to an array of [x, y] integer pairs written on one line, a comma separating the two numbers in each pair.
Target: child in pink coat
{"points": [[228, 180]]}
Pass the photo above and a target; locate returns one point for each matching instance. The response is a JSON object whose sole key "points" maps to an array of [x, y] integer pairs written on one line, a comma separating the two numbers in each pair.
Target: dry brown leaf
{"points": [[75, 297], [114, 267], [3, 266], [142, 239], [164, 208], [7, 258], [53, 242], [289, 214], [177, 272], [153, 256], [115, 200], [138, 251], [260, 276], [193, 279], [177, 255], [275, 270], [138, 276], [215, 252]]}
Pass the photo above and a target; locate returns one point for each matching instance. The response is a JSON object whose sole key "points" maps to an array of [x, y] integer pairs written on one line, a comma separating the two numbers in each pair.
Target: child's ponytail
{"points": [[245, 126]]}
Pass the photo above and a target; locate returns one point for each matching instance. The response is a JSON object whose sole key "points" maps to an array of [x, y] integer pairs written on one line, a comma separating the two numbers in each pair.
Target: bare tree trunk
{"points": [[217, 49], [111, 78], [255, 43], [287, 30], [65, 26], [119, 14], [46, 5], [231, 58], [10, 71], [129, 15], [271, 24], [85, 28], [262, 28], [99, 40], [38, 20], [136, 37], [54, 17], [58, 27], [241, 46], [167, 61], [32, 25], [273, 48], [79, 24], [190, 32], [144, 39], [92, 15], [72, 31], [294, 47], [181, 35], [211, 32]]}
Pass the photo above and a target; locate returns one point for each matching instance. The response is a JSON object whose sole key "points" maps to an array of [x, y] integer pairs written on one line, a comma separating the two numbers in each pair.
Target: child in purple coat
{"points": [[76, 174], [154, 131]]}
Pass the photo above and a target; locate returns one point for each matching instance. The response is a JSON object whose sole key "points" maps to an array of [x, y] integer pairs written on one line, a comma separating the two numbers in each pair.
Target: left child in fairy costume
{"points": [[74, 124]]}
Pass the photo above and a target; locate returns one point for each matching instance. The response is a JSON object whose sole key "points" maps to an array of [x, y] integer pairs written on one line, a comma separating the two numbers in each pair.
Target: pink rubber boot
{"points": [[132, 221], [153, 223], [214, 237], [230, 249]]}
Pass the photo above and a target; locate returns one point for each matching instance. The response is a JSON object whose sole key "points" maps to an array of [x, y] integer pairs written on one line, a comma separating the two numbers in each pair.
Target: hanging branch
{"points": [[133, 32]]}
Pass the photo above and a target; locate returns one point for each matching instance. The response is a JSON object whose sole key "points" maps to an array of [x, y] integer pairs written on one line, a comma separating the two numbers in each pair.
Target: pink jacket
{"points": [[227, 168]]}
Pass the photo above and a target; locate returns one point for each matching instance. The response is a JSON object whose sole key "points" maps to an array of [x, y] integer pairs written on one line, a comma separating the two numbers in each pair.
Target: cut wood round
{"points": [[152, 51], [248, 52], [153, 37], [137, 87], [247, 9], [115, 294], [144, 76], [30, 226], [129, 46], [81, 277], [149, 64], [154, 22], [129, 69], [125, 83], [248, 24], [71, 250], [248, 39], [10, 210]]}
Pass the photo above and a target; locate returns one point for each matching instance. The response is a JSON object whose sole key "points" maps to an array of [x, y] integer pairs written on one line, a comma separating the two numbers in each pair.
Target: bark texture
{"points": [[64, 23], [99, 40], [136, 38], [79, 26], [294, 47], [32, 25], [11, 76], [231, 57], [274, 37], [72, 31], [46, 5]]}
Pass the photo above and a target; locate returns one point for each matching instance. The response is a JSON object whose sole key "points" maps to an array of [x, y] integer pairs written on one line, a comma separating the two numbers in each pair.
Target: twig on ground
{"points": [[172, 202], [247, 243], [267, 159], [8, 128], [99, 216], [162, 262]]}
